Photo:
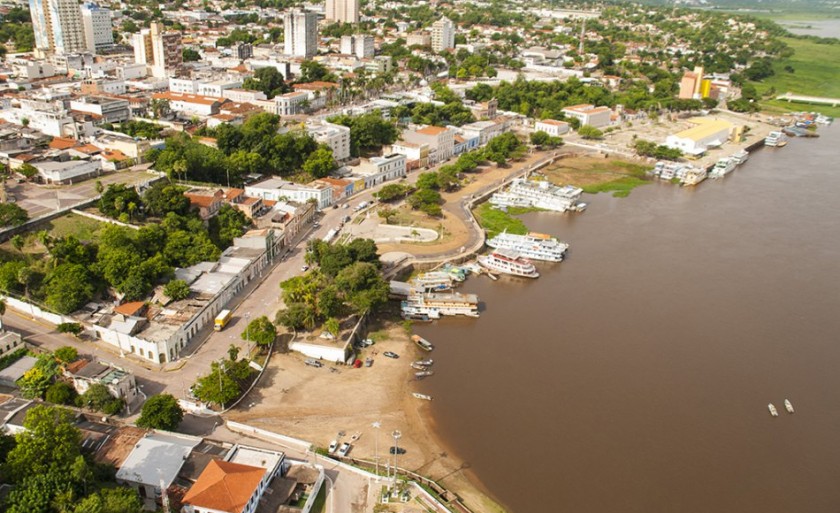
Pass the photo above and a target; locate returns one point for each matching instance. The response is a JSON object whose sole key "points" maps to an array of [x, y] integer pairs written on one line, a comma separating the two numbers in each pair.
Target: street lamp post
{"points": [[396, 434], [376, 425], [248, 332]]}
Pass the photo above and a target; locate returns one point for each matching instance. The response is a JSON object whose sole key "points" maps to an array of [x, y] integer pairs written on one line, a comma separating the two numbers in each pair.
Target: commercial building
{"points": [[102, 108], [416, 155], [589, 115], [301, 34], [276, 189], [71, 171], [57, 25], [99, 34], [337, 137], [377, 170], [552, 127], [708, 133], [691, 85], [191, 104], [484, 130], [159, 50], [440, 140], [443, 35]]}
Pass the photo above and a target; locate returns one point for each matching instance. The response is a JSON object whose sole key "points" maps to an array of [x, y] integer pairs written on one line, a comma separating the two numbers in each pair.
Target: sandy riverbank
{"points": [[315, 404]]}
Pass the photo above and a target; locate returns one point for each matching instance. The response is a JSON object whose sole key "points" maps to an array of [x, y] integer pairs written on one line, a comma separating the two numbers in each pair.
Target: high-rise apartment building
{"points": [[57, 25], [99, 33], [160, 50], [360, 45], [301, 34], [345, 11], [443, 34]]}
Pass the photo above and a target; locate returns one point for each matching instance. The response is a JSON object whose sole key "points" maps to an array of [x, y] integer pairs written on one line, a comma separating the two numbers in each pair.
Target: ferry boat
{"points": [[723, 167], [772, 409], [537, 246], [422, 396], [432, 281], [788, 406], [414, 312], [422, 343], [694, 175], [740, 157], [450, 303], [509, 262], [540, 194], [775, 139]]}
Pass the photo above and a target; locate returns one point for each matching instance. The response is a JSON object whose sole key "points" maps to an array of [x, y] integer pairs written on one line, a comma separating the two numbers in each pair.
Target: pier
{"points": [[800, 98]]}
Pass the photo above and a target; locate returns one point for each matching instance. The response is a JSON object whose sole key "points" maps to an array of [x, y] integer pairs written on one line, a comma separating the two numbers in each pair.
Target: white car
{"points": [[304, 268], [344, 449], [333, 446]]}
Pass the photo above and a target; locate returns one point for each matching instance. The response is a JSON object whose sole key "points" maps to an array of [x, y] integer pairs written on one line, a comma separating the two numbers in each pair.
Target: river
{"points": [[635, 376], [819, 28]]}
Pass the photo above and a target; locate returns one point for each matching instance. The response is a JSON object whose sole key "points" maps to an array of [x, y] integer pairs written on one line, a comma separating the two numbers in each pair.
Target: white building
{"points": [[337, 137], [484, 130], [589, 115], [276, 189], [10, 342], [191, 104], [301, 34], [71, 171], [47, 119], [159, 50], [244, 95], [377, 170], [443, 34], [552, 127], [57, 25], [105, 109], [290, 104], [99, 33], [440, 140], [203, 87], [707, 134], [360, 45], [344, 11]]}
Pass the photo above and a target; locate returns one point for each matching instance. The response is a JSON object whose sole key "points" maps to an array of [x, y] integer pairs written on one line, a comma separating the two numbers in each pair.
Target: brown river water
{"points": [[635, 376]]}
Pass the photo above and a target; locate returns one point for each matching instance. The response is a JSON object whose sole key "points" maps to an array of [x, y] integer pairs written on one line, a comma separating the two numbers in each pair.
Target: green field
{"points": [[495, 221], [816, 69]]}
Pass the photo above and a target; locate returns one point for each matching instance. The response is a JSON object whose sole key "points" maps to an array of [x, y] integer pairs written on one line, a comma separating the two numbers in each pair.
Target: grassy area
{"points": [[320, 504], [815, 71], [597, 175], [83, 228], [495, 221]]}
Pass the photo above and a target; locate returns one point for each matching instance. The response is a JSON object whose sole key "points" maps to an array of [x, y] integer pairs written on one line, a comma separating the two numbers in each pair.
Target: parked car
{"points": [[313, 363], [333, 447], [304, 268], [397, 450], [391, 354], [344, 449]]}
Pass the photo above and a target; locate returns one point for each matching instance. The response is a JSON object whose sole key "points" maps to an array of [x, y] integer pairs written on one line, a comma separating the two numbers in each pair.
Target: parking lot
{"points": [[39, 200]]}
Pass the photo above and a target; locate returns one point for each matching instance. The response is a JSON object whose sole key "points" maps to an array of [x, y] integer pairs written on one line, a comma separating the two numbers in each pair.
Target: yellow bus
{"points": [[222, 319]]}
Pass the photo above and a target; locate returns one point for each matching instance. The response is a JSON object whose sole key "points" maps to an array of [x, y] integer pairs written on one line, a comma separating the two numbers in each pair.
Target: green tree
{"points": [[260, 331], [363, 285], [111, 500], [18, 241], [268, 80], [99, 398], [116, 198], [68, 288], [393, 191], [38, 379], [217, 387], [177, 290], [60, 393], [66, 354], [163, 198], [28, 171], [387, 214], [313, 71], [50, 442], [161, 412], [228, 224], [190, 55], [320, 163], [332, 326], [590, 132], [295, 316], [12, 215]]}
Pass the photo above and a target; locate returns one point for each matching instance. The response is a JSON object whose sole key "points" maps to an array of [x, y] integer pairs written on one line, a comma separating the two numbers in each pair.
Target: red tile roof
{"points": [[224, 486], [130, 308]]}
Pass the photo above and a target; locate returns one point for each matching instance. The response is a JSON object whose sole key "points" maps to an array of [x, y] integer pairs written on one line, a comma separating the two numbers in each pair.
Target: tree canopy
{"points": [[161, 411]]}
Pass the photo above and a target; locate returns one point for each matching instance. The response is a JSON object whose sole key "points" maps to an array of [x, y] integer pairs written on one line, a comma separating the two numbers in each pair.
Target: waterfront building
{"points": [[443, 35], [99, 34], [707, 133], [589, 115], [57, 26], [301, 34], [343, 11], [541, 194]]}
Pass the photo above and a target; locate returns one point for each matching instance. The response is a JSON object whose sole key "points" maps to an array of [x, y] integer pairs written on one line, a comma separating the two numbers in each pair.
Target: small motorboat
{"points": [[419, 366], [423, 374], [422, 396], [772, 409], [788, 406], [428, 362], [422, 343]]}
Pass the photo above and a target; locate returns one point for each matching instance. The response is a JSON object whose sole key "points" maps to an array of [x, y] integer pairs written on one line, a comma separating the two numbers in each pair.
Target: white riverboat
{"points": [[740, 157], [788, 406], [451, 303], [509, 262], [433, 281], [536, 246], [694, 175], [775, 139], [772, 409], [723, 167], [507, 199], [414, 312], [540, 194]]}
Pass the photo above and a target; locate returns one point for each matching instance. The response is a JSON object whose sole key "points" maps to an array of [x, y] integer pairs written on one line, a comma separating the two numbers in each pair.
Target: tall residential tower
{"points": [[345, 11], [99, 33], [301, 34], [57, 25], [443, 34]]}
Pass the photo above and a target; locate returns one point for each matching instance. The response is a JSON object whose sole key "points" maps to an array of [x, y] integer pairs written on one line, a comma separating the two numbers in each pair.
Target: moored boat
{"points": [[772, 409], [509, 262], [740, 156], [422, 343], [723, 167], [537, 246], [423, 374], [428, 362], [422, 396], [788, 406]]}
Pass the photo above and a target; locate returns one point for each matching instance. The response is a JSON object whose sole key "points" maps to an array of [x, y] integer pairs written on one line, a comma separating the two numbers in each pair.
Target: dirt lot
{"points": [[315, 404]]}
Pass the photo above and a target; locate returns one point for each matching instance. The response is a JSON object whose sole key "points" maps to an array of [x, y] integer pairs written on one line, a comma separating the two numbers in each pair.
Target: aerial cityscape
{"points": [[363, 256]]}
